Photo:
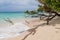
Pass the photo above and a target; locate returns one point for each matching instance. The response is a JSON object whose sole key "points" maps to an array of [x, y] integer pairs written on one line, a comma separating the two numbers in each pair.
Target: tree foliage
{"points": [[30, 12], [51, 4], [48, 6]]}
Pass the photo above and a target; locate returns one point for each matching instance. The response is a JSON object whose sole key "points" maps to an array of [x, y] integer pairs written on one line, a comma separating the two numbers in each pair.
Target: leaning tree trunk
{"points": [[50, 18], [46, 8]]}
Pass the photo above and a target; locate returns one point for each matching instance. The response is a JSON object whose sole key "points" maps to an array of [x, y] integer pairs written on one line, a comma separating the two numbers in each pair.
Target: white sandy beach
{"points": [[44, 32]]}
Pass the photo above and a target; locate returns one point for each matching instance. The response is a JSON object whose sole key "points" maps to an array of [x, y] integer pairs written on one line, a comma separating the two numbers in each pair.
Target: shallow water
{"points": [[12, 30], [11, 15]]}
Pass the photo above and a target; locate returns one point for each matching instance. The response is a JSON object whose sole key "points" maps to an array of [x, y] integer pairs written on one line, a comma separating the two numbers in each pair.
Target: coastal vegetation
{"points": [[51, 7], [48, 6]]}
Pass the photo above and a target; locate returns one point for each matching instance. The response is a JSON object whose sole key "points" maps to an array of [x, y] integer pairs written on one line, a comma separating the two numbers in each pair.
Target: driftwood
{"points": [[8, 20]]}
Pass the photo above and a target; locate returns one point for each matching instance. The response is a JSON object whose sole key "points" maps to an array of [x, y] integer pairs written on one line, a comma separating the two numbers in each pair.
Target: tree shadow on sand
{"points": [[55, 21], [33, 30]]}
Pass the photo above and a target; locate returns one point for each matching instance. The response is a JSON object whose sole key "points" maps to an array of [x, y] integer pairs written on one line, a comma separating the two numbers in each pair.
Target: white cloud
{"points": [[18, 5]]}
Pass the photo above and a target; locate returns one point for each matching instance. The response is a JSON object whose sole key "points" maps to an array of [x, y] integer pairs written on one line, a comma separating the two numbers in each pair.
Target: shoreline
{"points": [[8, 28], [44, 32]]}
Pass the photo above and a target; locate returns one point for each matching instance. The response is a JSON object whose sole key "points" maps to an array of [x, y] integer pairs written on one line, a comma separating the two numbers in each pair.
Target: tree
{"points": [[27, 11], [30, 12], [50, 6], [53, 4]]}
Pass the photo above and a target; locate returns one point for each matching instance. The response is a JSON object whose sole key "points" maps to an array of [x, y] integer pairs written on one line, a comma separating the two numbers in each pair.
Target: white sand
{"points": [[44, 32]]}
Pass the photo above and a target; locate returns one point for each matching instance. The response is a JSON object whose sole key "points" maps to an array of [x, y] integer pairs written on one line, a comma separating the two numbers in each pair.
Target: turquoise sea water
{"points": [[11, 30], [12, 15]]}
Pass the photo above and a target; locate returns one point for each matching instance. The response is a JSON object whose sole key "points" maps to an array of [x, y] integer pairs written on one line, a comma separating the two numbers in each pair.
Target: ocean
{"points": [[12, 15], [13, 30]]}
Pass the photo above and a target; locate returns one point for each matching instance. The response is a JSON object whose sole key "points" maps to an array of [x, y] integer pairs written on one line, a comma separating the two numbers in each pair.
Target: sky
{"points": [[17, 5]]}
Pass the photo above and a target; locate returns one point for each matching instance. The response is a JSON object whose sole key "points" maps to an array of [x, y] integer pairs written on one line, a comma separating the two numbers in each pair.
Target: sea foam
{"points": [[13, 30]]}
